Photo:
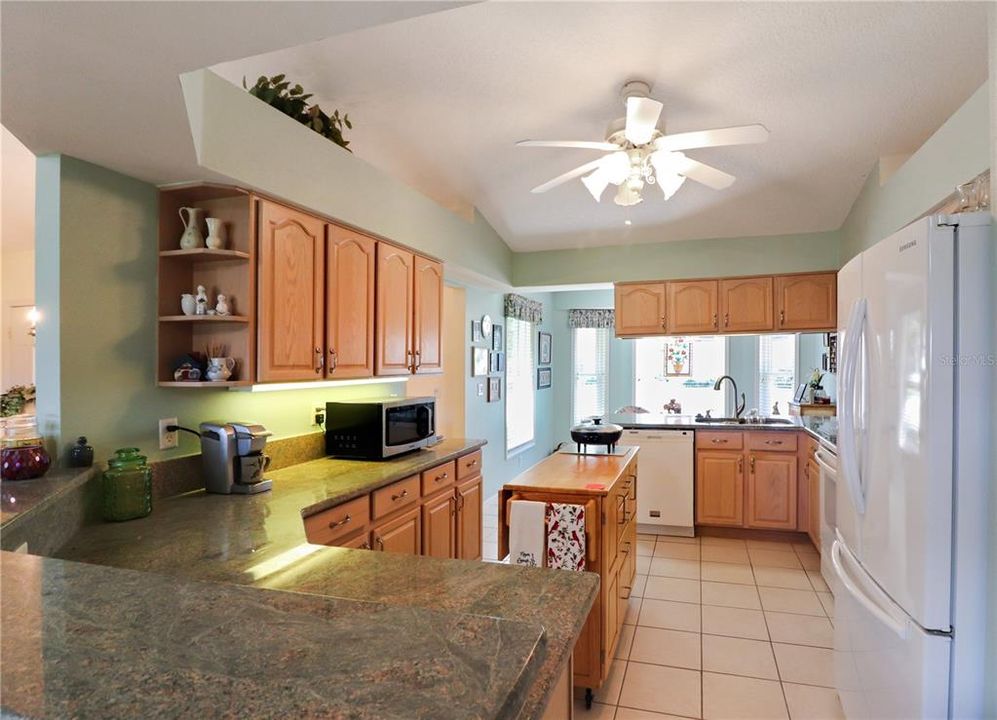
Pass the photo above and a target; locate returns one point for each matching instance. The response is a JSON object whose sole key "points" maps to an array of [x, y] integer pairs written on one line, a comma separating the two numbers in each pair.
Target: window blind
{"points": [[776, 372], [519, 370], [590, 372]]}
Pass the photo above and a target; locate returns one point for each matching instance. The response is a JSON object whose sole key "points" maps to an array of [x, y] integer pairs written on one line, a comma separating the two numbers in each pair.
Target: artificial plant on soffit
{"points": [[293, 101]]}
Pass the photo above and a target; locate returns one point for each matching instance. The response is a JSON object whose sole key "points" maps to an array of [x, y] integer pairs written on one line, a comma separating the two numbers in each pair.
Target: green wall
{"points": [[679, 259], [96, 289], [487, 420], [957, 152]]}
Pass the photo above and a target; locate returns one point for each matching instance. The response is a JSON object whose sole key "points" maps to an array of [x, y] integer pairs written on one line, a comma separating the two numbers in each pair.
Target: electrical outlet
{"points": [[318, 415], [167, 439]]}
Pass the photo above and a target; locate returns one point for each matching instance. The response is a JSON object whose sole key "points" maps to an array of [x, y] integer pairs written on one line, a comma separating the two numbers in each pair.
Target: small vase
{"points": [[216, 233], [192, 237], [220, 369], [188, 304]]}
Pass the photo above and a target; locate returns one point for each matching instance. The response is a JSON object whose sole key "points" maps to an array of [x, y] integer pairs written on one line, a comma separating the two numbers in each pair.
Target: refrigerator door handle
{"points": [[839, 558], [848, 454]]}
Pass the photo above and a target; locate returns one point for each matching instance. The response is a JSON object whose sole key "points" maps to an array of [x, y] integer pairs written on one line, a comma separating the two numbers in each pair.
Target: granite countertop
{"points": [[88, 641], [259, 541], [822, 428], [21, 496]]}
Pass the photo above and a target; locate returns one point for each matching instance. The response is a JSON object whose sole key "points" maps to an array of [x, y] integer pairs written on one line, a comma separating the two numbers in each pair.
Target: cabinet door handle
{"points": [[740, 466], [319, 360], [452, 503], [782, 317], [366, 545], [403, 494], [714, 320], [726, 319], [662, 322], [752, 465], [333, 360], [460, 502], [417, 359], [339, 523], [380, 543]]}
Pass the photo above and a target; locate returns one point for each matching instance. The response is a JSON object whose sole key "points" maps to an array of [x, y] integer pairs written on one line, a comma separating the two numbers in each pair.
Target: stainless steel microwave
{"points": [[379, 429]]}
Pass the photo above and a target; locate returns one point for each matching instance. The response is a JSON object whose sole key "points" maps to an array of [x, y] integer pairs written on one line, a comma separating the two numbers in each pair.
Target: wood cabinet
{"points": [[438, 531], [292, 294], [771, 491], [349, 307], [719, 488], [692, 307], [640, 309], [814, 500], [806, 302], [771, 303], [409, 313], [747, 479], [401, 535], [606, 487], [428, 513], [746, 304], [428, 318], [467, 526]]}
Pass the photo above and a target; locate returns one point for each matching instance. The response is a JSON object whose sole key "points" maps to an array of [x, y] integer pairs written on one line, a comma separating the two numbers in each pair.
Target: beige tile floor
{"points": [[717, 628], [722, 628]]}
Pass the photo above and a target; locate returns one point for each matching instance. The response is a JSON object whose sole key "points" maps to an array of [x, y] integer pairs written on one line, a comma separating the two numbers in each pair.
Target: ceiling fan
{"points": [[639, 154]]}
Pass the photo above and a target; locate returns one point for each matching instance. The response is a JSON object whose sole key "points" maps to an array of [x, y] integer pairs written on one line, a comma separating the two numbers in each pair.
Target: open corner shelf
{"points": [[203, 254], [204, 318], [204, 384]]}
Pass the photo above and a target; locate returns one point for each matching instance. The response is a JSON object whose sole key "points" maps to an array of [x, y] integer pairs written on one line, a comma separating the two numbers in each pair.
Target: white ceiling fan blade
{"points": [[740, 135], [642, 119], [570, 175], [705, 175], [582, 144]]}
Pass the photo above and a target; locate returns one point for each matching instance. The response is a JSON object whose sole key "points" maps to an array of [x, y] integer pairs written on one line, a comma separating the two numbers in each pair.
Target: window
{"points": [[695, 365], [590, 372], [519, 397], [776, 372]]}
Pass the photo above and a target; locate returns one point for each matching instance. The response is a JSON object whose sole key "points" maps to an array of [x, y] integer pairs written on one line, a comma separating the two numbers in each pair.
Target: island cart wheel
{"points": [[589, 697]]}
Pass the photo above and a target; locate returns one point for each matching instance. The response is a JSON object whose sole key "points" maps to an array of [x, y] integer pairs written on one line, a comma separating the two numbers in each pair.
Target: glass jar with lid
{"points": [[127, 486], [22, 449]]}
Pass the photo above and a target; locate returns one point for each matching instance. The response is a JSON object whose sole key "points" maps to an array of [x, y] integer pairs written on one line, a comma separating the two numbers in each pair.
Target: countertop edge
{"points": [[74, 478], [632, 451]]}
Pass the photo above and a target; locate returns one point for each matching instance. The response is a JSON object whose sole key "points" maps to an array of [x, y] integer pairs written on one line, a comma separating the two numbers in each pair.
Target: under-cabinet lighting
{"points": [[318, 384]]}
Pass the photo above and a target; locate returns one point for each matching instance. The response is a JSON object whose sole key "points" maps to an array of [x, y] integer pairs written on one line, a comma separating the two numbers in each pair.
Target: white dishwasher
{"points": [[664, 480]]}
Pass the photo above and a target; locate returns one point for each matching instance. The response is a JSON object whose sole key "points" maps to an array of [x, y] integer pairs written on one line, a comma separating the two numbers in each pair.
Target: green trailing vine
{"points": [[293, 101]]}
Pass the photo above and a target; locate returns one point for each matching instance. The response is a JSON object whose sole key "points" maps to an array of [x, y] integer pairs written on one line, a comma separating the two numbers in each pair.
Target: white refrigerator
{"points": [[915, 315]]}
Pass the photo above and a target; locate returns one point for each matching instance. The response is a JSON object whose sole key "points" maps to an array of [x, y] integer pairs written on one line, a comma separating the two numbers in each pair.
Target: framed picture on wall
{"points": [[544, 377], [496, 362], [479, 362], [545, 348], [498, 339], [476, 334], [678, 358], [494, 389]]}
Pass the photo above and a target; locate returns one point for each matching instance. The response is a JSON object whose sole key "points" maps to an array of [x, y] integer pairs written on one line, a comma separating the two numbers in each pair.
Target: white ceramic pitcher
{"points": [[220, 368], [192, 237]]}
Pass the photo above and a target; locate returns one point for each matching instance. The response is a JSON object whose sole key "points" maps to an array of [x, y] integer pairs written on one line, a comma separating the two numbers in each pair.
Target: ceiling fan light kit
{"points": [[639, 154]]}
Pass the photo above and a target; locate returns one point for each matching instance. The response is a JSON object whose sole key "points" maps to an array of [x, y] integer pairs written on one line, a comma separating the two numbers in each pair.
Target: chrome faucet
{"points": [[738, 409]]}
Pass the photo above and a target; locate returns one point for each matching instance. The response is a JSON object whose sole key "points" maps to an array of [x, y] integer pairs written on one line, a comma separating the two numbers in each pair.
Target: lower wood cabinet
{"points": [[813, 508], [435, 513], [751, 488], [401, 535]]}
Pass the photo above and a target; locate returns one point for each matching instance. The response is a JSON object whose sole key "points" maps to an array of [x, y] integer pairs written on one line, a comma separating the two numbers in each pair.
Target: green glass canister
{"points": [[127, 486]]}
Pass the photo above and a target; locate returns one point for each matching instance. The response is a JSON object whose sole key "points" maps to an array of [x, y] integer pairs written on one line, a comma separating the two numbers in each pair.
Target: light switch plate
{"points": [[168, 440], [481, 389]]}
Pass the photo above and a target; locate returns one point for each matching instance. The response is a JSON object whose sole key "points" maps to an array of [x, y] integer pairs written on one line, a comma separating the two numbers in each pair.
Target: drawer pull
{"points": [[404, 494], [444, 476], [339, 523], [365, 546], [380, 543], [718, 441], [773, 442], [472, 463]]}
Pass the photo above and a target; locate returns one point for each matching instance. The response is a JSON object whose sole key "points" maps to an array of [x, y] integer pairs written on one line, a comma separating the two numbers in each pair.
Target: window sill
{"points": [[519, 450]]}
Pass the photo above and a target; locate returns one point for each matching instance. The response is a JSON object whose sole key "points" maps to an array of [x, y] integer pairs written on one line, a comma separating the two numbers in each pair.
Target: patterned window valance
{"points": [[592, 318], [521, 308]]}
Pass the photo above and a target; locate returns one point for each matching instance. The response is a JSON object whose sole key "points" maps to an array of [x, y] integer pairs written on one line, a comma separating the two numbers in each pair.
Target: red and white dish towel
{"points": [[565, 536]]}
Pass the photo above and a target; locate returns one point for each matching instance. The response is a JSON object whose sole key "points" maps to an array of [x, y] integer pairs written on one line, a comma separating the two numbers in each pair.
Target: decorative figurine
{"points": [[202, 301], [222, 307], [81, 454], [192, 237]]}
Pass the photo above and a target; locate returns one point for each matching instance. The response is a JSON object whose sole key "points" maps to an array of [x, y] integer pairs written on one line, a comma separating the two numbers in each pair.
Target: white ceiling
{"points": [[100, 80], [439, 101]]}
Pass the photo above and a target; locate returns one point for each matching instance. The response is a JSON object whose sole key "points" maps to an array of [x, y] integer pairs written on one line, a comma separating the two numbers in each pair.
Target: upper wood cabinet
{"points": [[692, 307], [771, 495], [349, 311], [806, 302], [428, 320], [292, 294], [640, 308], [746, 304], [719, 488], [394, 310]]}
